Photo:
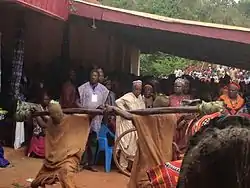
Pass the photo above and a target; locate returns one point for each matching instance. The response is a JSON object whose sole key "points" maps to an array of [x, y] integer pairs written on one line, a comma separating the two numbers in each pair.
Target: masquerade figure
{"points": [[223, 144]]}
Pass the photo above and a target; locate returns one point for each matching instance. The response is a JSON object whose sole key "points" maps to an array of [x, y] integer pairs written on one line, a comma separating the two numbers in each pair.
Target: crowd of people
{"points": [[216, 72], [129, 92], [102, 89]]}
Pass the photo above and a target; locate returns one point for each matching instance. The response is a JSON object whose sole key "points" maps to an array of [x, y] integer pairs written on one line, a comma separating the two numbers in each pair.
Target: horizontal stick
{"points": [[148, 111], [166, 110], [73, 111]]}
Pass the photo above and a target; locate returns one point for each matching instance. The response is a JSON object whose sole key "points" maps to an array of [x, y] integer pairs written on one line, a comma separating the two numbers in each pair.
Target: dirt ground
{"points": [[25, 168]]}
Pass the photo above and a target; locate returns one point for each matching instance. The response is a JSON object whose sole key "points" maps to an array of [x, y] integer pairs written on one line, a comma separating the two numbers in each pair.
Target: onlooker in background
{"points": [[93, 95], [178, 96], [130, 101], [101, 75], [37, 143], [111, 96], [233, 101], [69, 95], [148, 95]]}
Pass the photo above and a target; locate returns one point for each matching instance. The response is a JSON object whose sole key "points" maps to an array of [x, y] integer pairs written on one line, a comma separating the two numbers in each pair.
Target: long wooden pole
{"points": [[148, 111], [166, 110]]}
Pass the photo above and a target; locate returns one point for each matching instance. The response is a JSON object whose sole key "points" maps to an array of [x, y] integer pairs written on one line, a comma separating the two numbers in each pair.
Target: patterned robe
{"points": [[86, 92]]}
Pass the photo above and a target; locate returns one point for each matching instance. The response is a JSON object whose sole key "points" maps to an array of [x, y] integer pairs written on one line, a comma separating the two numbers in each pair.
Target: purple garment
{"points": [[3, 162], [86, 91]]}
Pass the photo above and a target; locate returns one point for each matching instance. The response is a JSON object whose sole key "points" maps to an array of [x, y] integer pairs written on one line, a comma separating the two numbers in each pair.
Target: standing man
{"points": [[93, 95], [69, 95], [101, 75], [130, 101]]}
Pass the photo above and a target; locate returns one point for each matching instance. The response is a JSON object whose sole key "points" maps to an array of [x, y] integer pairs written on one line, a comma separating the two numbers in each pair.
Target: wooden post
{"points": [[135, 61]]}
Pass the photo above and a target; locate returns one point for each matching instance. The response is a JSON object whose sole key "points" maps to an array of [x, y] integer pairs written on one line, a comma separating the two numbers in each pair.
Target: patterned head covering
{"points": [[235, 84], [137, 83], [180, 80], [148, 86]]}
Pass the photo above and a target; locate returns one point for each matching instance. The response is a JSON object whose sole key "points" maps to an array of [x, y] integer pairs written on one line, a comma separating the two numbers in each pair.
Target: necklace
{"points": [[234, 103]]}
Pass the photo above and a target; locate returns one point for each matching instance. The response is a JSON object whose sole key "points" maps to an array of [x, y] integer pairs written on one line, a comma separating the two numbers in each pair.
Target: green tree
{"points": [[161, 64], [229, 12]]}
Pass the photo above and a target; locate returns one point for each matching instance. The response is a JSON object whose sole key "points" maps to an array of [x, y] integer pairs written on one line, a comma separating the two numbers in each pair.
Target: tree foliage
{"points": [[161, 64], [230, 12]]}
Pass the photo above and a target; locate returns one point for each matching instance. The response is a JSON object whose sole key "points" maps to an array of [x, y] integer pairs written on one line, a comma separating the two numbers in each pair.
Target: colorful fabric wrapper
{"points": [[165, 175], [204, 121]]}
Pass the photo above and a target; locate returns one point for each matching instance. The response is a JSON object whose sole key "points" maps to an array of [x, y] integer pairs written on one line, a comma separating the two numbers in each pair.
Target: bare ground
{"points": [[25, 168]]}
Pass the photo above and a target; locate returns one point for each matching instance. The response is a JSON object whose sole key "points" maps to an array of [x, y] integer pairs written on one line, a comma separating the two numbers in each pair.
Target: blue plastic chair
{"points": [[103, 146]]}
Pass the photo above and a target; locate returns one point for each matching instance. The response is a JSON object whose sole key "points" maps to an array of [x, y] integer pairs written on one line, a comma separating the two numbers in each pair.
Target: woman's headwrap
{"points": [[235, 84], [180, 80], [137, 83], [148, 86]]}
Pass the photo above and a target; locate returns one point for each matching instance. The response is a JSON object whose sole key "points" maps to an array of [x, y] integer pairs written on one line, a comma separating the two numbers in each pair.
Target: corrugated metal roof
{"points": [[215, 43], [167, 19]]}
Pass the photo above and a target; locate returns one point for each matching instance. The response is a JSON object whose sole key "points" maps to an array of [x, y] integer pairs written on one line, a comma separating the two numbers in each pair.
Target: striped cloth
{"points": [[204, 121], [165, 175]]}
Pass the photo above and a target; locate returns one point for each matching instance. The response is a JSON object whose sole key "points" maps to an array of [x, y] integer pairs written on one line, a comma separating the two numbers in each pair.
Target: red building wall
{"points": [[43, 36]]}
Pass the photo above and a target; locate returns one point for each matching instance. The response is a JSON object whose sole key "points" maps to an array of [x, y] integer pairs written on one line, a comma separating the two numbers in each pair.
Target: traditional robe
{"points": [[233, 106], [128, 102], [91, 98]]}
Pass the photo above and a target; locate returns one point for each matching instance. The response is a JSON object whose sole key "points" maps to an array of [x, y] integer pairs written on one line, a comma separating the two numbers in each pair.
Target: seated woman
{"points": [[36, 148], [233, 101]]}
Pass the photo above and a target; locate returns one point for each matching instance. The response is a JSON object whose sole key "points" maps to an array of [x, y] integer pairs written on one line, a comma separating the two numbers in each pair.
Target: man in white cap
{"points": [[130, 101]]}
